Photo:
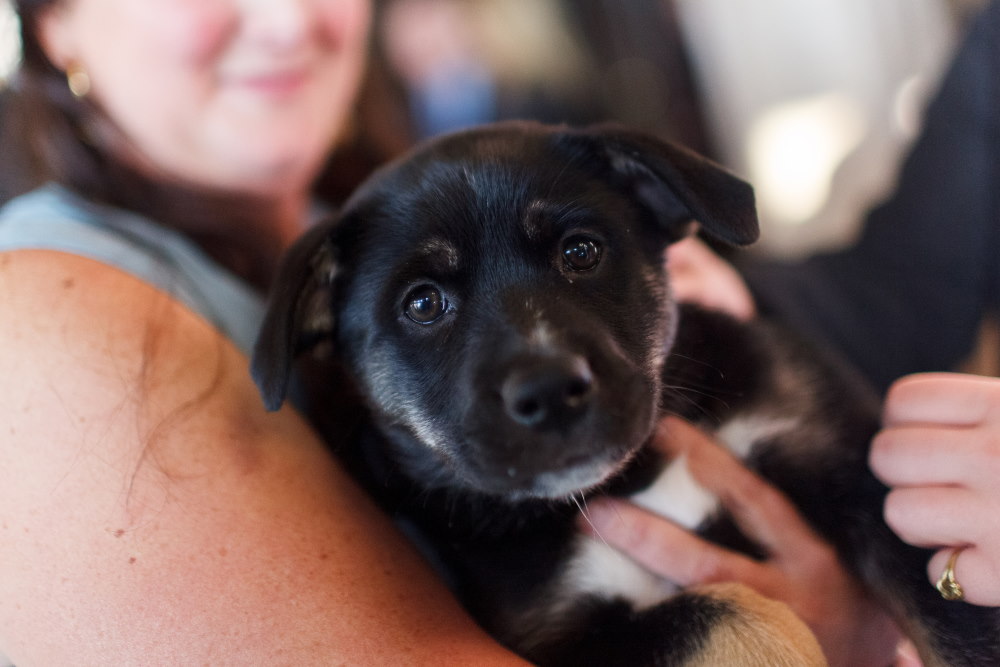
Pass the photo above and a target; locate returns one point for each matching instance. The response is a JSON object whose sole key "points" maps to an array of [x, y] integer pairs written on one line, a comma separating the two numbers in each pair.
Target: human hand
{"points": [[939, 450], [698, 275], [801, 570]]}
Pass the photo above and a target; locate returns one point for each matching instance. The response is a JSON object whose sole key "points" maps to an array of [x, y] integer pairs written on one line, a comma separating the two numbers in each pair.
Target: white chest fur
{"points": [[600, 570]]}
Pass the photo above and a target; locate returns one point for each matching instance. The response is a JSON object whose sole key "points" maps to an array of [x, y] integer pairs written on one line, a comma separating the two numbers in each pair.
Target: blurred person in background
{"points": [[903, 304]]}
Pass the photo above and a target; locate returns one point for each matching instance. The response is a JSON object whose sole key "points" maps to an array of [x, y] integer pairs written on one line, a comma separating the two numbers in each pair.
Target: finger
{"points": [[699, 275], [684, 253], [941, 398], [760, 510], [934, 516], [974, 571], [665, 548], [925, 455], [674, 436]]}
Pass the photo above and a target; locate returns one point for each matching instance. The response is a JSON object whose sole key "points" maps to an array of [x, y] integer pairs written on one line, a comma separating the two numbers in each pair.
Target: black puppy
{"points": [[498, 300]]}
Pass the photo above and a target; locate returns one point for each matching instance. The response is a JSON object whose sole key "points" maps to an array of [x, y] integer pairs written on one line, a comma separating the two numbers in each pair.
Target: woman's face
{"points": [[244, 95]]}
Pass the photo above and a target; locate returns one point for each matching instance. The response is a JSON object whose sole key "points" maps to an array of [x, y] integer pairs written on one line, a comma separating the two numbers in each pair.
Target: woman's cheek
{"points": [[190, 31], [346, 22]]}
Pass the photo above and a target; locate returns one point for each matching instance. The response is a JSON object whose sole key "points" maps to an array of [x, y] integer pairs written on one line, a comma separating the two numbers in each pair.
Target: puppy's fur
{"points": [[498, 300]]}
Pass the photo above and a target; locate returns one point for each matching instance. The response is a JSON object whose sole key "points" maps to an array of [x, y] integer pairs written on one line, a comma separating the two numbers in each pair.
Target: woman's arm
{"points": [[152, 512]]}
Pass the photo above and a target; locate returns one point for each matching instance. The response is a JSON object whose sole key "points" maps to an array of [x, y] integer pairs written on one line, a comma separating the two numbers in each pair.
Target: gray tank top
{"points": [[54, 218]]}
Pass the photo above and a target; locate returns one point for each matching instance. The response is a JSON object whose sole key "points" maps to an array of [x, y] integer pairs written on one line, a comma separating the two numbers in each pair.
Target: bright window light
{"points": [[10, 41], [794, 150]]}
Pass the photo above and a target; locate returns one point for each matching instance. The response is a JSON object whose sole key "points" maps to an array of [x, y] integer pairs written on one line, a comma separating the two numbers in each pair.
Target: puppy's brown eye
{"points": [[425, 304], [581, 253]]}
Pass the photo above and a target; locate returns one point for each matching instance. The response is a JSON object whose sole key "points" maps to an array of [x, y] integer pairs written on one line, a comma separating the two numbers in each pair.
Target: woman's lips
{"points": [[273, 84]]}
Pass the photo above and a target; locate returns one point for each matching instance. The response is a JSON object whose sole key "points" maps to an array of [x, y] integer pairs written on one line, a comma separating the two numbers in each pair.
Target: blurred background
{"points": [[813, 101]]}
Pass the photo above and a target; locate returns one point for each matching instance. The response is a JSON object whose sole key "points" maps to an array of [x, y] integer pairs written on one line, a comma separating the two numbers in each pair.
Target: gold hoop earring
{"points": [[77, 80]]}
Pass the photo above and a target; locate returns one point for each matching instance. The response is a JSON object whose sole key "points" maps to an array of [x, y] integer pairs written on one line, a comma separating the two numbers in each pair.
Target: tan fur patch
{"points": [[764, 633]]}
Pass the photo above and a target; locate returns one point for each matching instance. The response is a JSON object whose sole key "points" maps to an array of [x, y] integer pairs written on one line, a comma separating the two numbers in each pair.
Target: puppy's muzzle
{"points": [[554, 419], [548, 393]]}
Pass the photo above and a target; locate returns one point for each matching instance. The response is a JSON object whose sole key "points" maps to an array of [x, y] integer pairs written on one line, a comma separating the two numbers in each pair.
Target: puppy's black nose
{"points": [[548, 392]]}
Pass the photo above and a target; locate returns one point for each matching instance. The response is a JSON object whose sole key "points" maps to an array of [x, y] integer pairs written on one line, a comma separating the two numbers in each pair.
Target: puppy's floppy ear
{"points": [[677, 185], [299, 313]]}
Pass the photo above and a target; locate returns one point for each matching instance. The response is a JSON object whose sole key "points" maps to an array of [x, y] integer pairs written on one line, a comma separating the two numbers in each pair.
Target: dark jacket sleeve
{"points": [[910, 294]]}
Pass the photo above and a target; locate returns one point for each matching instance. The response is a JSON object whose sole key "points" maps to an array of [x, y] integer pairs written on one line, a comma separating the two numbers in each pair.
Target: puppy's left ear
{"points": [[299, 314], [676, 185]]}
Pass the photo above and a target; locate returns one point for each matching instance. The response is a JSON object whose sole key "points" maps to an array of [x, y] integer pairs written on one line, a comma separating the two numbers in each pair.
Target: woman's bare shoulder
{"points": [[88, 347], [153, 512]]}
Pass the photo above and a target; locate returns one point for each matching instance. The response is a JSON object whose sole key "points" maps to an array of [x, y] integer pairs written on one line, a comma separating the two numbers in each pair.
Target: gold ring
{"points": [[947, 586]]}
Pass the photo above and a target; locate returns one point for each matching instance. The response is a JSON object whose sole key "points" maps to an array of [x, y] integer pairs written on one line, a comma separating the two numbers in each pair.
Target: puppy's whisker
{"points": [[681, 389], [678, 355], [581, 504], [680, 392]]}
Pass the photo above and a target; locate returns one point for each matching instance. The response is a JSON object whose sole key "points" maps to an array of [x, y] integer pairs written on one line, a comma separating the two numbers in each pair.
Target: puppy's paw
{"points": [[762, 632]]}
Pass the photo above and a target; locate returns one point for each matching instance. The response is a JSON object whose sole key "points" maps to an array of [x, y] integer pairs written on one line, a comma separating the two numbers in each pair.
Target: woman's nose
{"points": [[278, 24]]}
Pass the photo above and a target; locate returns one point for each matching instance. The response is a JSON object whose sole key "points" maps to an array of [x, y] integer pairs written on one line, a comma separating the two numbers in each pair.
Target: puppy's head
{"points": [[499, 297]]}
